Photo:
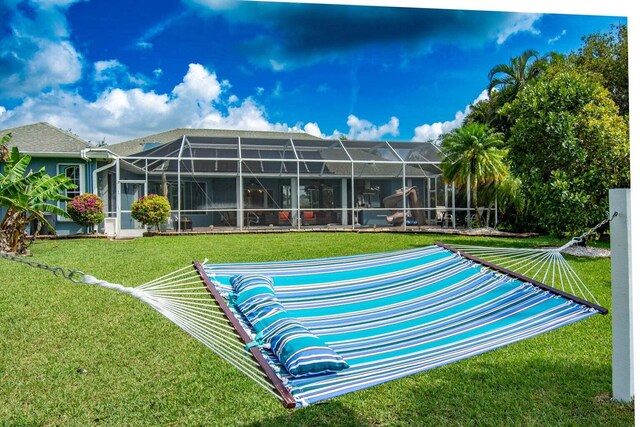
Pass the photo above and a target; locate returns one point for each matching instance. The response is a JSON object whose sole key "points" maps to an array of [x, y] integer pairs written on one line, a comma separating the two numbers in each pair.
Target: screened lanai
{"points": [[242, 182]]}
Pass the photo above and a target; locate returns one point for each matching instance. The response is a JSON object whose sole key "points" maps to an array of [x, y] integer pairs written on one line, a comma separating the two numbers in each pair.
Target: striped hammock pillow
{"points": [[300, 351]]}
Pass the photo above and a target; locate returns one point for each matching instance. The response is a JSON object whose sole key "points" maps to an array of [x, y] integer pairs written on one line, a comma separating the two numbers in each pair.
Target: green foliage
{"points": [[27, 198], [474, 152], [4, 151], [86, 210], [506, 80], [569, 147], [151, 210], [607, 55]]}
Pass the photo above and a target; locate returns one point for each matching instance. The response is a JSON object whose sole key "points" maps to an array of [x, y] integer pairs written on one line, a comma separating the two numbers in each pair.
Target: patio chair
{"points": [[443, 217], [283, 218], [252, 219], [309, 218]]}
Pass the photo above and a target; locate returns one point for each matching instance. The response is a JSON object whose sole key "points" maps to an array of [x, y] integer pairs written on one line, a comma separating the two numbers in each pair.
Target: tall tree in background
{"points": [[607, 55], [511, 78], [474, 152], [569, 146], [505, 81]]}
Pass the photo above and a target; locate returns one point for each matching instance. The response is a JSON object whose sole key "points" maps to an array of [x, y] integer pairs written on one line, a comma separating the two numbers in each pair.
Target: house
{"points": [[59, 152], [251, 179]]}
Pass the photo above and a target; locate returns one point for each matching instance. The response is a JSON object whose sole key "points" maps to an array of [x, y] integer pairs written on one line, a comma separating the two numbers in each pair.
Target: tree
{"points": [[474, 152], [569, 146], [607, 55], [27, 198], [506, 80]]}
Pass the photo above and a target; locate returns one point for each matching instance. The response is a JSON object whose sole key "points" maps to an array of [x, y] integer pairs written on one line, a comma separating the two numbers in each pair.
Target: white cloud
{"points": [[160, 27], [119, 114], [313, 129], [198, 85], [517, 23], [431, 132], [276, 65], [553, 40], [277, 90], [113, 73], [364, 130], [37, 54], [144, 45]]}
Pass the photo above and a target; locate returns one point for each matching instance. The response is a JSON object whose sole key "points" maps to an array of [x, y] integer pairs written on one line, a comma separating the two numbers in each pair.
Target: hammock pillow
{"points": [[300, 351], [254, 296]]}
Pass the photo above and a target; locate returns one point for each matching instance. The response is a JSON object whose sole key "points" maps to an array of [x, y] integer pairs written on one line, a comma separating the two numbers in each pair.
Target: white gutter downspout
{"points": [[100, 169], [95, 180]]}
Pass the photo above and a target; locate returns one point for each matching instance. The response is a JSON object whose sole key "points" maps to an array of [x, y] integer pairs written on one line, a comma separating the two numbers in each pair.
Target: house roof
{"points": [[137, 145], [44, 138]]}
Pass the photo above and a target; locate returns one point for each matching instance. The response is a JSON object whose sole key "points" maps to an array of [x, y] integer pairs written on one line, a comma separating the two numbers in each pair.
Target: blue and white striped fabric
{"points": [[394, 314], [298, 350]]}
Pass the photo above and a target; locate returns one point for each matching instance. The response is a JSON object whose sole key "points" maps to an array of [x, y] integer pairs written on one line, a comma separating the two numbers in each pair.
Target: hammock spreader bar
{"points": [[287, 399], [522, 278]]}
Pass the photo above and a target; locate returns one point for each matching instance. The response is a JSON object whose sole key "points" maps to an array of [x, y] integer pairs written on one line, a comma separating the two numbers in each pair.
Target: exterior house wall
{"points": [[54, 166]]}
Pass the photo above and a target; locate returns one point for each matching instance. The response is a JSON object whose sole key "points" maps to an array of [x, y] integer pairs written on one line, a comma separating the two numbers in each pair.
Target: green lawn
{"points": [[140, 369]]}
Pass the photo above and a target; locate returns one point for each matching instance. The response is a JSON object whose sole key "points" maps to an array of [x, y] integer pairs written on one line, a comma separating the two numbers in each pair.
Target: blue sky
{"points": [[118, 69]]}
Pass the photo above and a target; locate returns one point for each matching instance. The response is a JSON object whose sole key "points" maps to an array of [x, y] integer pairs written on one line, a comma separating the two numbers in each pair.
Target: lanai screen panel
{"points": [[374, 159], [157, 158], [206, 155], [267, 156], [417, 152], [322, 158]]}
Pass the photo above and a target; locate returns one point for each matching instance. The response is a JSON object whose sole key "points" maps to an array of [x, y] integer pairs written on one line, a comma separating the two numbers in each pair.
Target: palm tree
{"points": [[510, 78], [27, 198], [474, 152]]}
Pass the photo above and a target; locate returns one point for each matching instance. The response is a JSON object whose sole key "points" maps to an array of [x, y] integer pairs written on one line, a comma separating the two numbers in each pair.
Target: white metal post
{"points": [[469, 201], [622, 304], [404, 198]]}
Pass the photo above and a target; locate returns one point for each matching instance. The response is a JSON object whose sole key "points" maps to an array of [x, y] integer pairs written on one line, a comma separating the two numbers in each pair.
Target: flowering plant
{"points": [[86, 210], [151, 210]]}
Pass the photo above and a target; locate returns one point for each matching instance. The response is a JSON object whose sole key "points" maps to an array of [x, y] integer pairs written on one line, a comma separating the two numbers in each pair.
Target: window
{"points": [[75, 174]]}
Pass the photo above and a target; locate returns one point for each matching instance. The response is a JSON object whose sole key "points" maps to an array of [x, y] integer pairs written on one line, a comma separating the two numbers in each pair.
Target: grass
{"points": [[76, 355]]}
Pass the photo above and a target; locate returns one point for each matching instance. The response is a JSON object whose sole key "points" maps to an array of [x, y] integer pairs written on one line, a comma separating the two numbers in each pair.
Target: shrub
{"points": [[151, 210], [86, 210]]}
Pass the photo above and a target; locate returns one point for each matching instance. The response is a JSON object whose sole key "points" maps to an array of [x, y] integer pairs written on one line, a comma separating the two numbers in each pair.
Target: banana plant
{"points": [[27, 197]]}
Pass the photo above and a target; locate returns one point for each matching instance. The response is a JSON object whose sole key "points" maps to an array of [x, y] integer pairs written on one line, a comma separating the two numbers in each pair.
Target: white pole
{"points": [[621, 313]]}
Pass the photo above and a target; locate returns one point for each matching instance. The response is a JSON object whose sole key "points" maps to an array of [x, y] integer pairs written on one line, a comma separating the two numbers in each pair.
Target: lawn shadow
{"points": [[476, 393], [534, 392], [329, 413]]}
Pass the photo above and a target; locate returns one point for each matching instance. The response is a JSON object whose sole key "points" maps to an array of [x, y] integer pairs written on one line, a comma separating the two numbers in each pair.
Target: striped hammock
{"points": [[388, 315]]}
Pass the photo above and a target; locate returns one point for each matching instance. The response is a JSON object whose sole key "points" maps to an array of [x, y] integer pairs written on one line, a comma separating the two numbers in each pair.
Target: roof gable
{"points": [[44, 138]]}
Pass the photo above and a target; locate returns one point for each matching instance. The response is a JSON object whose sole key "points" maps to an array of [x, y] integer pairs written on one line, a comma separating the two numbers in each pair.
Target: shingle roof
{"points": [[44, 138], [134, 146]]}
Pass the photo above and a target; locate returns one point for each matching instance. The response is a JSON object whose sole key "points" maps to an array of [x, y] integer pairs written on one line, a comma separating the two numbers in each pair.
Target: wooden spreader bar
{"points": [[287, 399], [526, 279]]}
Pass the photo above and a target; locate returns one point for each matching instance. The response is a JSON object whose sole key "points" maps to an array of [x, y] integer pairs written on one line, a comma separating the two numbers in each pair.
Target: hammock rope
{"points": [[389, 314]]}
